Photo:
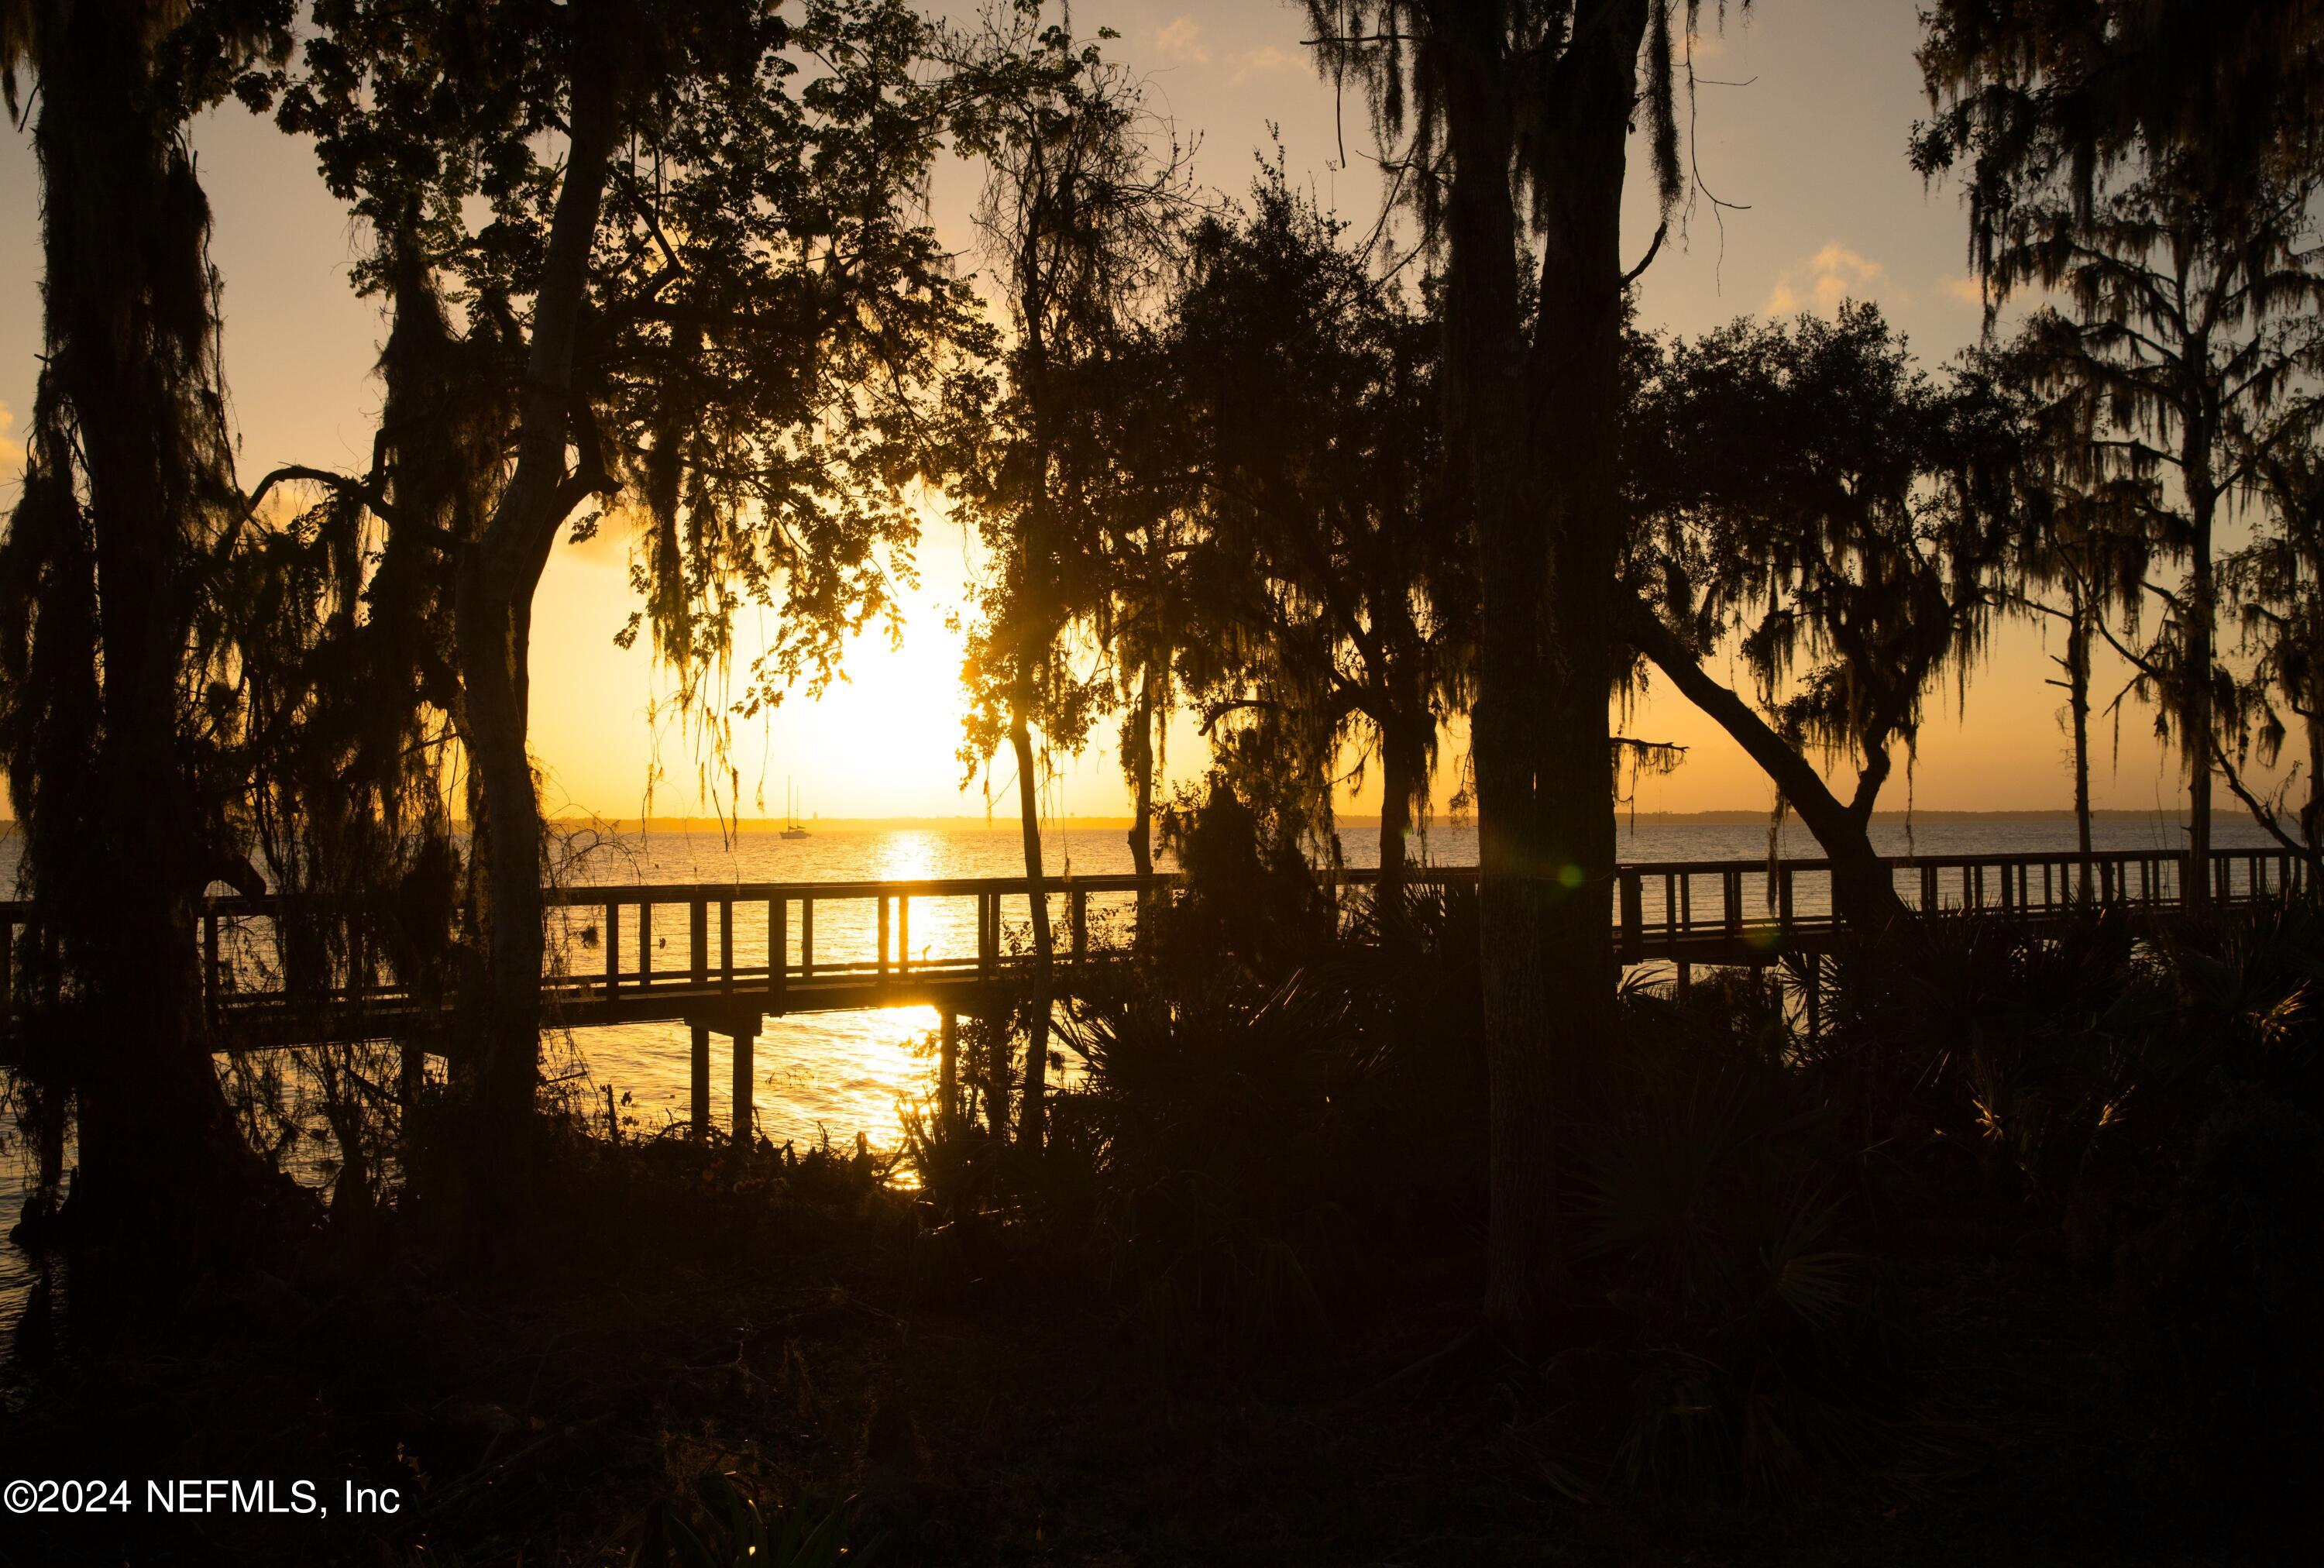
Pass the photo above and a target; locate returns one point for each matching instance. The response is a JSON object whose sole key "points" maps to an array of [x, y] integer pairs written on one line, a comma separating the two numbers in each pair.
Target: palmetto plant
{"points": [[1720, 1212], [734, 1534]]}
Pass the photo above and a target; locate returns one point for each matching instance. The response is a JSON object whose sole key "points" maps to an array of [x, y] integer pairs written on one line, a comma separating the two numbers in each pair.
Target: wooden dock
{"points": [[747, 952]]}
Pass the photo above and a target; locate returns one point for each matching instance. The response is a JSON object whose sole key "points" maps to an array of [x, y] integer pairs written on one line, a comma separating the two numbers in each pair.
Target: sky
{"points": [[1808, 146]]}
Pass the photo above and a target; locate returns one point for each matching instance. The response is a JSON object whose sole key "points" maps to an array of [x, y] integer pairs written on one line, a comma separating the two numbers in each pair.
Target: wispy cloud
{"points": [[1180, 43], [1964, 290], [1267, 60], [1823, 279], [12, 451]]}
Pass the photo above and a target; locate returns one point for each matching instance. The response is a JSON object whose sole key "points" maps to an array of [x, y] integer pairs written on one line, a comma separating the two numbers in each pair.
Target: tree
{"points": [[2075, 545], [712, 307], [2047, 100], [2277, 581], [1327, 513], [1139, 489], [2189, 327], [1807, 492], [115, 764], [1509, 123], [1076, 210]]}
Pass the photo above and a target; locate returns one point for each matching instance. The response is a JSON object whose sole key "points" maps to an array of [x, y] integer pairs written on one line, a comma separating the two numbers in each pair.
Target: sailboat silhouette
{"points": [[791, 829]]}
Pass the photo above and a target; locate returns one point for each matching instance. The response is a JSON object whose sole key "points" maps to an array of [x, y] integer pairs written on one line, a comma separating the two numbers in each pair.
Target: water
{"points": [[839, 1074]]}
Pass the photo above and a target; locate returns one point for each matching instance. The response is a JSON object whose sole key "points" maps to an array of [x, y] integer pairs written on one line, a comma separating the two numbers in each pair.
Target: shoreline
{"points": [[1755, 817]]}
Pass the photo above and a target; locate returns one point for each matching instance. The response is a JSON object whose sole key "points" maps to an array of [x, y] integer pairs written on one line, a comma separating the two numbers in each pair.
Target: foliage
{"points": [[2045, 100], [2277, 582], [1808, 489], [765, 309], [1082, 192], [737, 1534], [2176, 381], [1386, 46], [1335, 571], [1241, 838]]}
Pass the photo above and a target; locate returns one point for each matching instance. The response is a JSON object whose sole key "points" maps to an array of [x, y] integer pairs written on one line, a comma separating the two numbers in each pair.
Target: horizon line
{"points": [[1719, 816]]}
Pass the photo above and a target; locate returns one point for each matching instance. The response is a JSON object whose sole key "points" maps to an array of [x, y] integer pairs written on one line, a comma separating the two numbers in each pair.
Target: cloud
{"points": [[1180, 41], [12, 451], [1267, 60], [1823, 279], [1964, 290]]}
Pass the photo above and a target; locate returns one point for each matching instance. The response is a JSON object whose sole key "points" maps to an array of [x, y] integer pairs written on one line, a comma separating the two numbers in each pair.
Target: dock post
{"points": [[726, 944], [698, 940], [882, 966], [1634, 939], [948, 1073], [698, 1083], [1685, 978], [1077, 902], [746, 1037], [612, 950], [778, 955]]}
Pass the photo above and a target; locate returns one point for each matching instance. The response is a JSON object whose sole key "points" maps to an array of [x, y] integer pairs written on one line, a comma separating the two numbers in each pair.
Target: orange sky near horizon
{"points": [[1813, 150]]}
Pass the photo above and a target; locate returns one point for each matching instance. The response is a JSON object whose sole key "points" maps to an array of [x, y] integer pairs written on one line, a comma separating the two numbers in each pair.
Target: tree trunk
{"points": [[1487, 432], [1033, 1106], [2311, 816], [1138, 757], [497, 577], [1863, 890], [1404, 762], [2078, 701], [2196, 716], [117, 838], [1574, 403]]}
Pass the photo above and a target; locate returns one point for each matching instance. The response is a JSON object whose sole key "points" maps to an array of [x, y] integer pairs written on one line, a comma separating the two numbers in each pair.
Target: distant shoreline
{"points": [[1007, 824]]}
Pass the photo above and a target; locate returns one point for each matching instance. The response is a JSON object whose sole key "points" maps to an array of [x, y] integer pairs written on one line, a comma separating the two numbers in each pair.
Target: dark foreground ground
{"points": [[815, 1343]]}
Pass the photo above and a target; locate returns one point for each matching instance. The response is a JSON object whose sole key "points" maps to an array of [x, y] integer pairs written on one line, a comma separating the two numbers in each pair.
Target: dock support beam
{"points": [[745, 1080], [698, 1082]]}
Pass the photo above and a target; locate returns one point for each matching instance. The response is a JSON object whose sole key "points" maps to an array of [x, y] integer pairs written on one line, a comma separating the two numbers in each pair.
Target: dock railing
{"points": [[620, 952]]}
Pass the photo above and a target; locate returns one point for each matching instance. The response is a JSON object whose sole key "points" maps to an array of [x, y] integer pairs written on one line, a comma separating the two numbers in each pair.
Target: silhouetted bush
{"points": [[2222, 1292]]}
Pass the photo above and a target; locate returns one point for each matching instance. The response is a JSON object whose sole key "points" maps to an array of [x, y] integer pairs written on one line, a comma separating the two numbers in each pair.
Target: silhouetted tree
{"points": [[2046, 100], [1138, 487], [2078, 556], [1807, 492], [2277, 581], [2186, 329], [1508, 123], [708, 303], [1328, 516], [116, 760], [1075, 208]]}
